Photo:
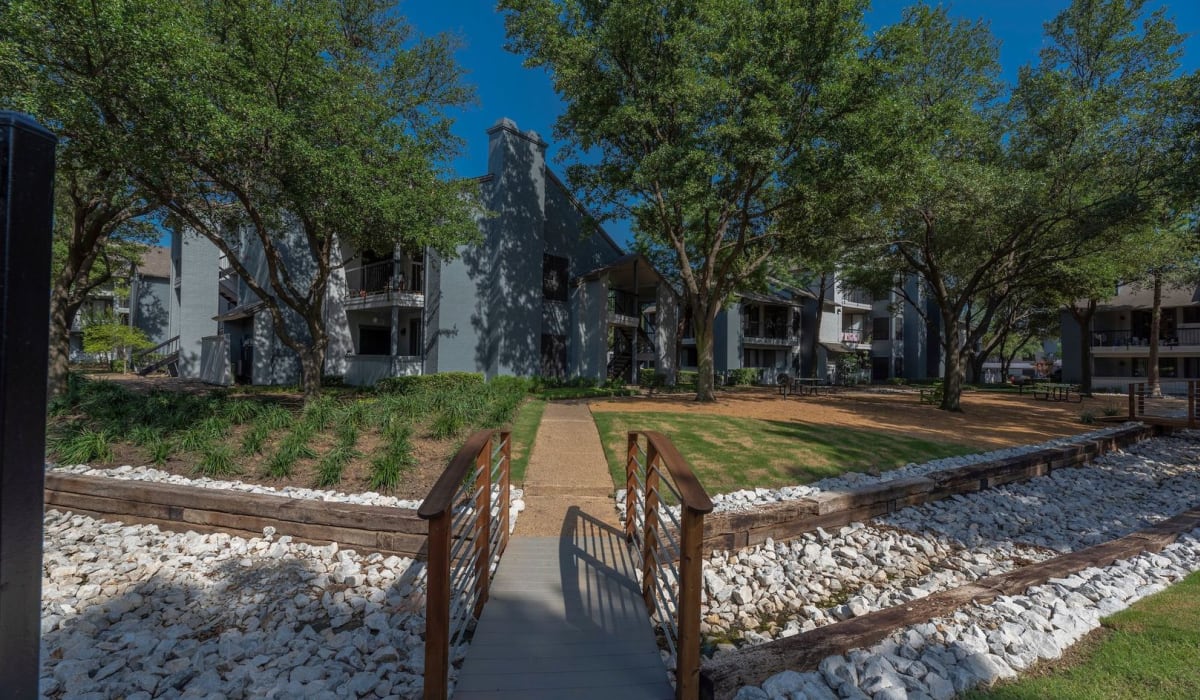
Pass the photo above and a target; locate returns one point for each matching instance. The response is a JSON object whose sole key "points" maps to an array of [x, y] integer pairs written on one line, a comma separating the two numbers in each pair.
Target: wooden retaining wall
{"points": [[790, 519], [721, 677], [180, 508]]}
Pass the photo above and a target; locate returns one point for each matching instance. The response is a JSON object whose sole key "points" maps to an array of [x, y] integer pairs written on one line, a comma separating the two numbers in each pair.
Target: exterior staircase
{"points": [[165, 354]]}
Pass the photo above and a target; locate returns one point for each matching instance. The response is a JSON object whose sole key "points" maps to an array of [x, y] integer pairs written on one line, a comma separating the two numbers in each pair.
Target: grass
{"points": [[524, 430], [1151, 650], [729, 453]]}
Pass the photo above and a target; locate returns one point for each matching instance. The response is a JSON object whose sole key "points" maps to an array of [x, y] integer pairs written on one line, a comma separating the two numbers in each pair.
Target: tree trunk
{"points": [[816, 334], [1153, 385], [312, 356], [703, 320], [1083, 318], [58, 366], [976, 367], [952, 381]]}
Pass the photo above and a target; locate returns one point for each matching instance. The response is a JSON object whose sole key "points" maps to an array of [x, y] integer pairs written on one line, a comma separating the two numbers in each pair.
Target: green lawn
{"points": [[729, 453], [524, 430], [1151, 650]]}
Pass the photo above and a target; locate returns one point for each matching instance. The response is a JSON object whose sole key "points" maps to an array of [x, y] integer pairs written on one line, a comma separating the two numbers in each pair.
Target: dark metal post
{"points": [[26, 210]]}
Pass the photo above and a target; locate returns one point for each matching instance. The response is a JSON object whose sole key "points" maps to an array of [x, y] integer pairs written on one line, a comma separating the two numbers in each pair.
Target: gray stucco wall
{"points": [[151, 307], [195, 300], [588, 353], [727, 339]]}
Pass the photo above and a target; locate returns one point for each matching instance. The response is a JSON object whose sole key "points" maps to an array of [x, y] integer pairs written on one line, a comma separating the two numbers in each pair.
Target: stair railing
{"points": [[168, 347], [467, 510], [667, 528]]}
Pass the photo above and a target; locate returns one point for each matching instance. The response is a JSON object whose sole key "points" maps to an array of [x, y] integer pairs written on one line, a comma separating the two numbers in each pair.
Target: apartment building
{"points": [[544, 292], [1119, 338], [138, 298]]}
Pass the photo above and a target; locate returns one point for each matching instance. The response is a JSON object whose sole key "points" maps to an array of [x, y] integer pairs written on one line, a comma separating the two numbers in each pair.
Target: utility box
{"points": [[26, 213]]}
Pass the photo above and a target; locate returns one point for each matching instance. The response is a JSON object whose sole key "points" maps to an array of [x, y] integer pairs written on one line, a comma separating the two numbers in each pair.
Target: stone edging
{"points": [[727, 530], [721, 677], [179, 508]]}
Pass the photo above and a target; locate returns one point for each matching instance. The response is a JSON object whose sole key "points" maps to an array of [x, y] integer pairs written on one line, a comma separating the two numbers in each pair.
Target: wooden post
{"points": [[630, 486], [687, 664], [649, 566], [505, 481], [483, 525], [1141, 393], [1132, 405], [437, 609]]}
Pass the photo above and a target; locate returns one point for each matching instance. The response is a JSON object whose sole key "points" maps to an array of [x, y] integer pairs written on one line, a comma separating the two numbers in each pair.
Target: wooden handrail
{"points": [[691, 492], [476, 548], [695, 503]]}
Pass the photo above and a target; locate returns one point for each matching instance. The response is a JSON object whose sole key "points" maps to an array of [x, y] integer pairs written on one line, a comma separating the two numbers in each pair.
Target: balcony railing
{"points": [[1130, 339], [856, 337], [855, 296], [784, 341]]}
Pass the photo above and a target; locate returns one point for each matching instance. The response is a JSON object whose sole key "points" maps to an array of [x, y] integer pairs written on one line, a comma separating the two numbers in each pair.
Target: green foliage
{"points": [[242, 411], [217, 460], [744, 376], [708, 137], [326, 116], [160, 450], [86, 446], [440, 382], [392, 461], [114, 338], [1087, 417]]}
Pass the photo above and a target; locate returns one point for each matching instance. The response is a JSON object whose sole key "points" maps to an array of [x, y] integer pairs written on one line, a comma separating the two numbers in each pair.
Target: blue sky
{"points": [[507, 89]]}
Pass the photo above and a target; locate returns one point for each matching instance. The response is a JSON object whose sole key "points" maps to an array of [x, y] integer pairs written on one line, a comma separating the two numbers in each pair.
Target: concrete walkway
{"points": [[565, 617]]}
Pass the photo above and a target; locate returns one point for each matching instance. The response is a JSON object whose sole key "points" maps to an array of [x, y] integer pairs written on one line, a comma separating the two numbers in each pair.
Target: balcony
{"points": [[616, 319], [855, 297], [378, 285], [1126, 340], [771, 341]]}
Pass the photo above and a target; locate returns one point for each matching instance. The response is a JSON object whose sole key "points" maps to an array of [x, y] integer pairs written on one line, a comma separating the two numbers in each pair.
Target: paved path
{"points": [[565, 617]]}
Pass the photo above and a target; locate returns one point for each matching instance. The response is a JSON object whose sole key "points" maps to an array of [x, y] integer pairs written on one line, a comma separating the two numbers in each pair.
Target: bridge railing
{"points": [[467, 510], [665, 511]]}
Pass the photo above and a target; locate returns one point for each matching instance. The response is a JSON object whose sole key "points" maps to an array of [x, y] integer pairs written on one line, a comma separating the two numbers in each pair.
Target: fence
{"points": [[467, 510], [669, 546], [1107, 338], [1172, 400]]}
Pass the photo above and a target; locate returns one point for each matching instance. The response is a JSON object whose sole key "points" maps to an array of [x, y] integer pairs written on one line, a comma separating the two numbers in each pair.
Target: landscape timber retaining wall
{"points": [[722, 676], [790, 519], [363, 528]]}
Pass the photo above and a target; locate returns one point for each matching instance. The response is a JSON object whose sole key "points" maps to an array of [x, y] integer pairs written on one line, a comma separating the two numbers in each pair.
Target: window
{"points": [[880, 328], [1191, 314], [554, 278]]}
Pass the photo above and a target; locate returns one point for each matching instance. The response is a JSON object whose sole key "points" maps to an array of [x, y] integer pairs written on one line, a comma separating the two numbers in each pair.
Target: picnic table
{"points": [[800, 385], [1051, 391]]}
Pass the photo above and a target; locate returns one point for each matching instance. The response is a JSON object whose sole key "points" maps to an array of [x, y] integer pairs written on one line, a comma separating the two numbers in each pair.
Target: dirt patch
{"points": [[988, 420]]}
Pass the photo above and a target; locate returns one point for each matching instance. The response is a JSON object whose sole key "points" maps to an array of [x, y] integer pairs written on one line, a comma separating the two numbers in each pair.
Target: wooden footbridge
{"points": [[583, 615]]}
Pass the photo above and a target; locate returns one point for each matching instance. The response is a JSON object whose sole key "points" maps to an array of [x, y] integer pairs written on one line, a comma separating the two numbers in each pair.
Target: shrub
{"points": [[744, 376], [897, 381], [1087, 417], [319, 413], [160, 450], [329, 471], [393, 460], [687, 377], [440, 382], [254, 439], [242, 411], [217, 460], [85, 447], [1111, 410]]}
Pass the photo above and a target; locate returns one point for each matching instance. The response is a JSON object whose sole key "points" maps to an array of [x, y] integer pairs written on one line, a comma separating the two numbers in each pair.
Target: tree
{"points": [[714, 122], [985, 202], [100, 223], [1100, 117], [281, 132], [118, 340]]}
